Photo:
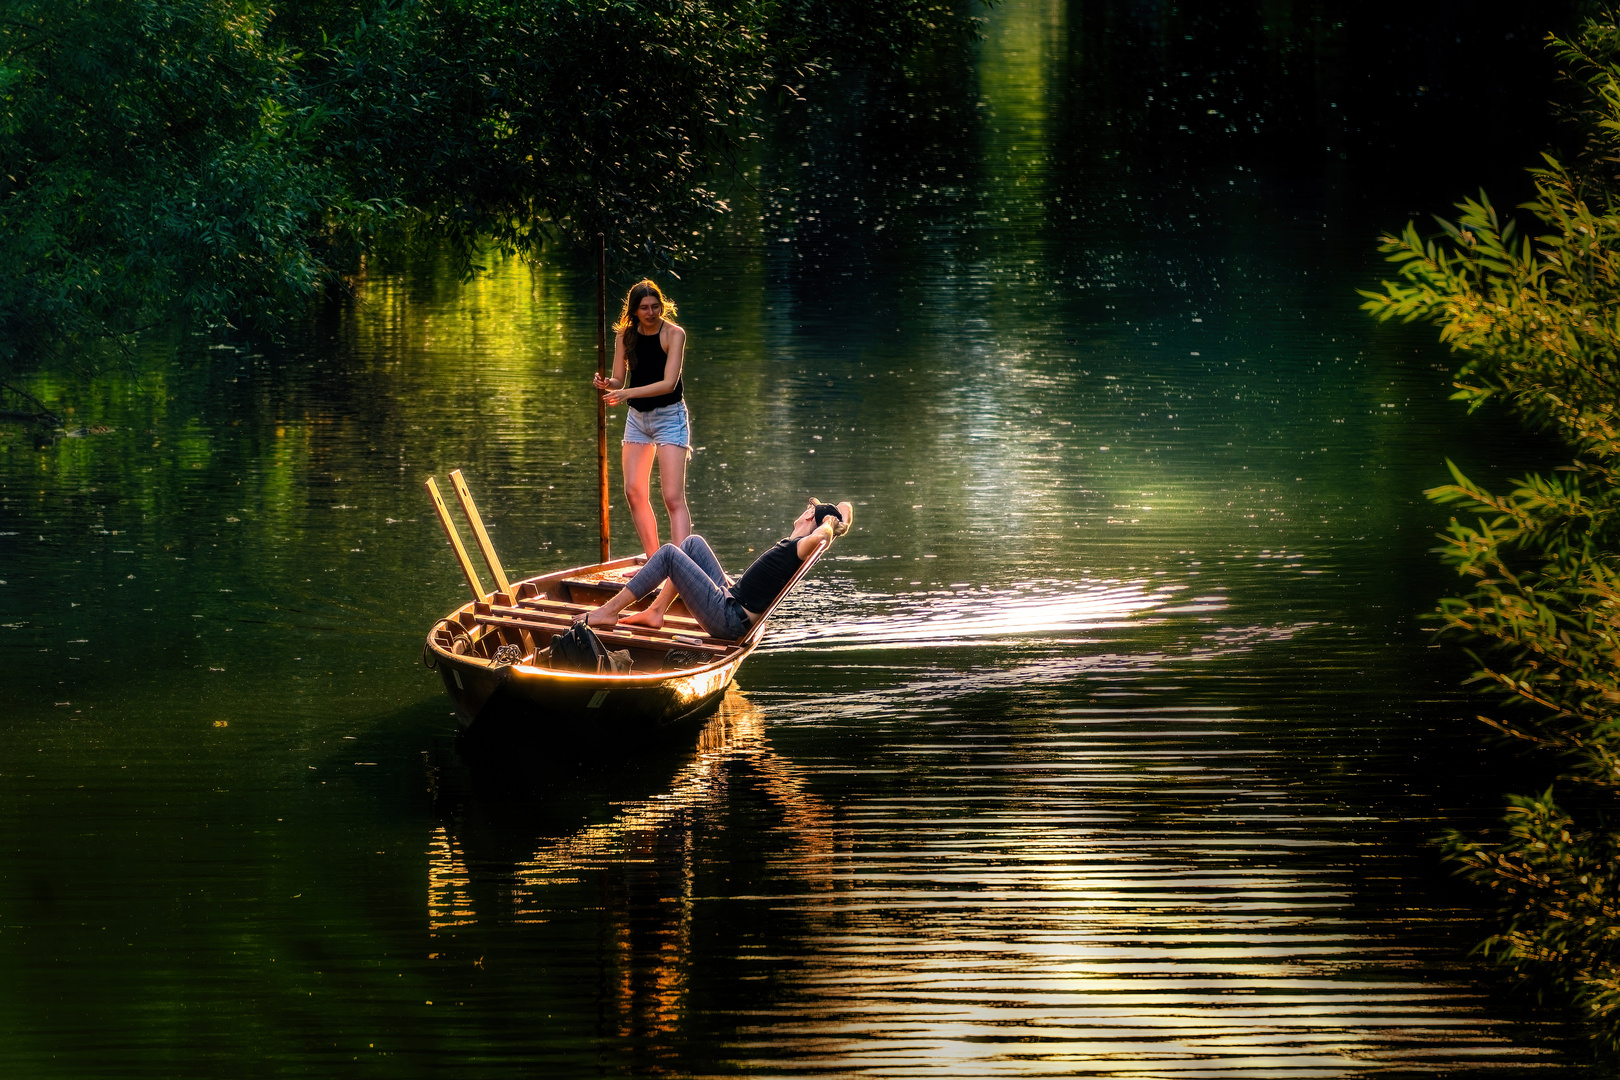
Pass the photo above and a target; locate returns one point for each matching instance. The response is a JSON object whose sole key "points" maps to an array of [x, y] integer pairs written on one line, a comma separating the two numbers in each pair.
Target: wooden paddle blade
{"points": [[479, 533], [455, 539]]}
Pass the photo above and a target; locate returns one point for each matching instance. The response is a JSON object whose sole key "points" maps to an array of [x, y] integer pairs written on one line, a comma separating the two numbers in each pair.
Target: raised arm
{"points": [[822, 533]]}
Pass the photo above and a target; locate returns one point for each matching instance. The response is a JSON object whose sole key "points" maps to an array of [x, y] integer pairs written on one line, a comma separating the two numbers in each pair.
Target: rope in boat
{"points": [[458, 636]]}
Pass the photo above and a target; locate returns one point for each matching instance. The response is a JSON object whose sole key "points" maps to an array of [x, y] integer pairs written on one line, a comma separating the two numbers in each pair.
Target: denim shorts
{"points": [[667, 425]]}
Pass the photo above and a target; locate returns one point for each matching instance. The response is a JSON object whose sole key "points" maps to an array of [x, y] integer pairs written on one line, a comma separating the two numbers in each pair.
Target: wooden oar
{"points": [[455, 539], [486, 548]]}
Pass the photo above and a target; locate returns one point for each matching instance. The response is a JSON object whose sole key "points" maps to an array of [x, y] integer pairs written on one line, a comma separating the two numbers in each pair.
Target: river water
{"points": [[1108, 743]]}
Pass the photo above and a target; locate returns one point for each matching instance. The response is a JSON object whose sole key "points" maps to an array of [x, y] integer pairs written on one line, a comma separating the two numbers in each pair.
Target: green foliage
{"points": [[1559, 886], [1544, 596], [510, 121], [147, 165], [1536, 318], [867, 32], [224, 159], [1537, 321]]}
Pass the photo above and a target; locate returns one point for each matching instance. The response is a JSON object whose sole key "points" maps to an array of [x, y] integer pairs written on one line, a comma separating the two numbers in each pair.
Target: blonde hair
{"points": [[626, 326]]}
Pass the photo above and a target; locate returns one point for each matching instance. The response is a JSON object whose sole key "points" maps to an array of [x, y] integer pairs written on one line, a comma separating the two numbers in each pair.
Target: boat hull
{"points": [[569, 701]]}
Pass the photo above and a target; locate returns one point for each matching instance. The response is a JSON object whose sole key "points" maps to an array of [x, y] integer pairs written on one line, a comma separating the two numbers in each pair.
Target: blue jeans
{"points": [[696, 574]]}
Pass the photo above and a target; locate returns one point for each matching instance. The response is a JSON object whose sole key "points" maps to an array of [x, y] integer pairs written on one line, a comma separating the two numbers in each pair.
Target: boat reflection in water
{"points": [[634, 876]]}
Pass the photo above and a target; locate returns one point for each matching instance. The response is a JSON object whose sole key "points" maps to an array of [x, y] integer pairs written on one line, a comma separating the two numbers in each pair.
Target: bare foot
{"points": [[599, 618], [647, 617]]}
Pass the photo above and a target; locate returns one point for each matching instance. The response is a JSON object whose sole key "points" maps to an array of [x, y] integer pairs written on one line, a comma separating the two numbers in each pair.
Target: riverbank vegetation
{"points": [[1535, 314], [214, 160]]}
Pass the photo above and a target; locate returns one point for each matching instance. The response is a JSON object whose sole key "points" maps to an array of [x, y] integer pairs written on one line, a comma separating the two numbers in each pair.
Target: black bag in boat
{"points": [[579, 649]]}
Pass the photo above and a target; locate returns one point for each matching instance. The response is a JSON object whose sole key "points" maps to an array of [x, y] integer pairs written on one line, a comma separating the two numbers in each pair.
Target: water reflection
{"points": [[641, 864], [1143, 891], [732, 738]]}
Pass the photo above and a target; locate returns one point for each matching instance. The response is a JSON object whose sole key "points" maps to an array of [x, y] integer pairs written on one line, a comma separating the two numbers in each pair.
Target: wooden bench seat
{"points": [[519, 619], [550, 617], [684, 624], [609, 638], [610, 581]]}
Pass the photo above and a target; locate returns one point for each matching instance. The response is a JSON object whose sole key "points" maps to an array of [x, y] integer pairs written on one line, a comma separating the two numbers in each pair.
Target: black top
{"points": [[650, 362], [764, 579]]}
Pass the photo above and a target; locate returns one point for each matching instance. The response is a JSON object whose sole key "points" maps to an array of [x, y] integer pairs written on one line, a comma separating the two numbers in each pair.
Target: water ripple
{"points": [[1138, 893]]}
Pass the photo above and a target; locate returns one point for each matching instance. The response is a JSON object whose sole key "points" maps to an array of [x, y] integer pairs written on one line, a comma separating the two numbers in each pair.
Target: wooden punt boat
{"points": [[492, 654]]}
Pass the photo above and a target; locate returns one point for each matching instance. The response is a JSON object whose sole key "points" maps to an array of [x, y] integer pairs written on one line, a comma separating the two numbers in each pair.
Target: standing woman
{"points": [[647, 355]]}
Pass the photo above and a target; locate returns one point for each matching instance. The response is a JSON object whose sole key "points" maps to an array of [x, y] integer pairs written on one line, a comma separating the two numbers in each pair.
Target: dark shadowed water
{"points": [[1108, 743]]}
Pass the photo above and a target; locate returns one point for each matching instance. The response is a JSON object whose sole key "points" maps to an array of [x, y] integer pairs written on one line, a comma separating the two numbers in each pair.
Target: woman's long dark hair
{"points": [[626, 326]]}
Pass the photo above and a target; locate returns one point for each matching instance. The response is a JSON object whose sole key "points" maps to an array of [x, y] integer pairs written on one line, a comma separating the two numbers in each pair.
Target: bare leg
{"points": [[653, 614], [672, 485], [607, 614], [638, 463]]}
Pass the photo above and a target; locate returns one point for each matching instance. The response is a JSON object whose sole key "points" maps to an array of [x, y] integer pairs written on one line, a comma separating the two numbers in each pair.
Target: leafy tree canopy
{"points": [[225, 159]]}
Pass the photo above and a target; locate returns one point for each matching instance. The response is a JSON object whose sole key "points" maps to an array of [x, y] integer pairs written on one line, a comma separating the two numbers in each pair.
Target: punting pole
{"points": [[479, 532], [455, 539], [601, 406]]}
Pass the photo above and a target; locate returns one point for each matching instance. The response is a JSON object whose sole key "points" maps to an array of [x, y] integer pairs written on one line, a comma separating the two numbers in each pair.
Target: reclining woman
{"points": [[724, 611]]}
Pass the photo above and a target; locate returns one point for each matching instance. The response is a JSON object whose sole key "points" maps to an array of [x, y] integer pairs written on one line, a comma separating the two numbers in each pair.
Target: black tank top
{"points": [[764, 579], [650, 361]]}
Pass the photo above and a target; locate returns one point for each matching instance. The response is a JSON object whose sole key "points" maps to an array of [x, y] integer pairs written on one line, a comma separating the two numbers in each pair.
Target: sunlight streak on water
{"points": [[977, 615]]}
